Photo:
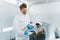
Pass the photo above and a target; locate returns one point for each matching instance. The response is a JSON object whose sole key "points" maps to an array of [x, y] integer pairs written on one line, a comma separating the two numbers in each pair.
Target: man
{"points": [[20, 23]]}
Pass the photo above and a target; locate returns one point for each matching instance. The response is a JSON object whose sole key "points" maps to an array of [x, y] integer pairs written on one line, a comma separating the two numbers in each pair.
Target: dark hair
{"points": [[23, 5], [37, 24]]}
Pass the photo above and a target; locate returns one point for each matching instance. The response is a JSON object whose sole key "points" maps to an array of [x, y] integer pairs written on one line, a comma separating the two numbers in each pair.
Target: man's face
{"points": [[24, 10]]}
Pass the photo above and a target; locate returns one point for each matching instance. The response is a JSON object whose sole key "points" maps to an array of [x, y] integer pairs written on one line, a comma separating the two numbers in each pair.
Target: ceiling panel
{"points": [[53, 1], [33, 2]]}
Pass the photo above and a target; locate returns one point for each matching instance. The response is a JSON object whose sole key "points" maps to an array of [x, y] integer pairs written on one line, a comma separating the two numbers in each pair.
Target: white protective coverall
{"points": [[19, 25]]}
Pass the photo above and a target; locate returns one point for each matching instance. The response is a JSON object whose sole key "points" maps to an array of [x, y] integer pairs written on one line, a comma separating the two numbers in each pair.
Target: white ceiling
{"points": [[11, 1], [32, 2]]}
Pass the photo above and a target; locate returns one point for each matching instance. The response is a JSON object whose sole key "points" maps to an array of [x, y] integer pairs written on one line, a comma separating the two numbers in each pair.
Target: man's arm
{"points": [[16, 26]]}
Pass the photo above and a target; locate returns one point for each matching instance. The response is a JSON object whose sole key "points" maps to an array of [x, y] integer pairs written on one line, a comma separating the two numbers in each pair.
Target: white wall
{"points": [[47, 12]]}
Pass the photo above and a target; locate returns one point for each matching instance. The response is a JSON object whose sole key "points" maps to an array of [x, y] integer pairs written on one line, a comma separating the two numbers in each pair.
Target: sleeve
{"points": [[16, 26], [15, 23]]}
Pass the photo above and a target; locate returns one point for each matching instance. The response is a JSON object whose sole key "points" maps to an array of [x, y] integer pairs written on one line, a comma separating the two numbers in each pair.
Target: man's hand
{"points": [[25, 32], [30, 27]]}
